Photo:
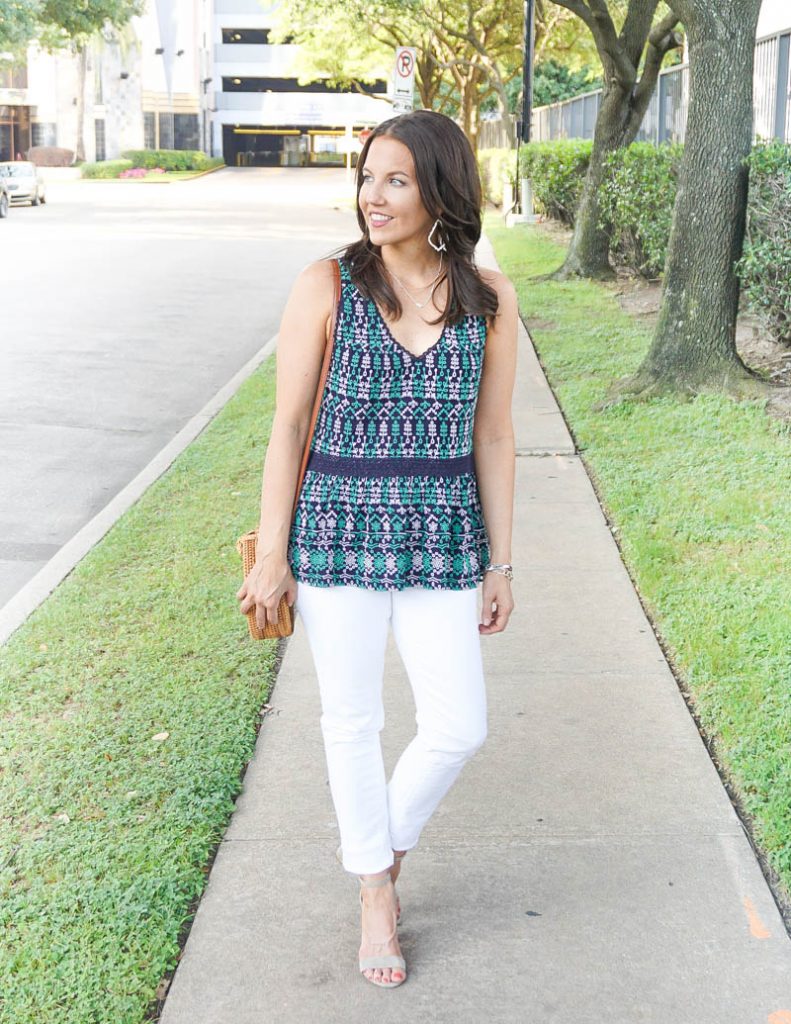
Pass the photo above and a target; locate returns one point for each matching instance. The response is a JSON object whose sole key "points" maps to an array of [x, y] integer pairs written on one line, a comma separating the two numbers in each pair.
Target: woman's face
{"points": [[389, 197]]}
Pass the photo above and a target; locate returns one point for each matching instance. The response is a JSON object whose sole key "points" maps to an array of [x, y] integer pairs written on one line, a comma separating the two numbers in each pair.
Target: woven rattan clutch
{"points": [[246, 544]]}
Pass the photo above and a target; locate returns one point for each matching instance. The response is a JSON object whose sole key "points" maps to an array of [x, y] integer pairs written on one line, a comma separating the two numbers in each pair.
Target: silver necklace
{"points": [[420, 305]]}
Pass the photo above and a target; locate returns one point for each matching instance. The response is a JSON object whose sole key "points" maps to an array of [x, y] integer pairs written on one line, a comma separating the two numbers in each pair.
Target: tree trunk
{"points": [[694, 339], [426, 78], [468, 82], [588, 254], [623, 104], [82, 67]]}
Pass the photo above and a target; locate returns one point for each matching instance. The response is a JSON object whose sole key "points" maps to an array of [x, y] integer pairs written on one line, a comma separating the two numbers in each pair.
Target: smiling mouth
{"points": [[379, 220]]}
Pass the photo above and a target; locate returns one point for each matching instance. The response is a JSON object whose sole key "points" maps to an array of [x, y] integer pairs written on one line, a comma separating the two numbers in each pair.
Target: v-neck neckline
{"points": [[403, 348]]}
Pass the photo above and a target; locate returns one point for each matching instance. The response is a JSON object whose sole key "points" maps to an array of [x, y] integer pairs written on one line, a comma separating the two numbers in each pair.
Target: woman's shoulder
{"points": [[318, 272], [497, 280], [315, 283]]}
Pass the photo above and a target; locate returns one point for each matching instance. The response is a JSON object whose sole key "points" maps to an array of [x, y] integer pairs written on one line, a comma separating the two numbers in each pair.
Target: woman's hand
{"points": [[496, 591], [263, 587]]}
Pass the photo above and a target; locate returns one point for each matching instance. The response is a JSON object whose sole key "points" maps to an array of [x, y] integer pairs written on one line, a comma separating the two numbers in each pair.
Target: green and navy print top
{"points": [[390, 498]]}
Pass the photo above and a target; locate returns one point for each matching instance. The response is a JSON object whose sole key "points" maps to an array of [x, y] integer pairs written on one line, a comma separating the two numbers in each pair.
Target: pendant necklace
{"points": [[420, 305]]}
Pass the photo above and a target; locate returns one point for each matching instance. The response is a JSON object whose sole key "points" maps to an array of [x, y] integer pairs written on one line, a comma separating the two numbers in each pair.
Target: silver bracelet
{"points": [[504, 568]]}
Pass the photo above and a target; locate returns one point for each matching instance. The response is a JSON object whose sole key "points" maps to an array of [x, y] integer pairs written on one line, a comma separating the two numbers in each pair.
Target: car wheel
{"points": [[43, 199], [3, 206], [36, 201]]}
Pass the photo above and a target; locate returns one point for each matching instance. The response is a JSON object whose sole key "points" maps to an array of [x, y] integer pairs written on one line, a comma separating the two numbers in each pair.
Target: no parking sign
{"points": [[404, 79]]}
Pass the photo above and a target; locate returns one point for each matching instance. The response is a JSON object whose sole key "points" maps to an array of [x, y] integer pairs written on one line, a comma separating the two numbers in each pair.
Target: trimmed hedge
{"points": [[104, 169], [637, 200], [153, 159], [172, 159], [50, 156], [765, 265], [557, 171], [638, 197]]}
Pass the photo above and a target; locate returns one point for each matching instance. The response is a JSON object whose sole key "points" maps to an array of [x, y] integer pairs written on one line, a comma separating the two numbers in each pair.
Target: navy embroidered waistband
{"points": [[347, 465]]}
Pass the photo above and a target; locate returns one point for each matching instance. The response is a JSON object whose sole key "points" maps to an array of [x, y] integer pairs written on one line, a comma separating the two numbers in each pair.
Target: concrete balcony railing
{"points": [[300, 108], [239, 8], [276, 58]]}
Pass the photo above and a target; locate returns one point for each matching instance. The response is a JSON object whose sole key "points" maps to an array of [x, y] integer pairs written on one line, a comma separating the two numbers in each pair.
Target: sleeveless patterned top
{"points": [[390, 498]]}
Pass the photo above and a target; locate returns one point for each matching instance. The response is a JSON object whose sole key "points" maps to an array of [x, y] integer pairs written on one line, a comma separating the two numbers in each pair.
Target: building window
{"points": [[165, 130], [230, 84], [149, 129], [44, 134], [186, 131], [98, 125]]}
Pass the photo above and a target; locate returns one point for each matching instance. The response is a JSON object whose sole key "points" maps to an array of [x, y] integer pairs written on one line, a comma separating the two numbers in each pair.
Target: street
{"points": [[125, 307]]}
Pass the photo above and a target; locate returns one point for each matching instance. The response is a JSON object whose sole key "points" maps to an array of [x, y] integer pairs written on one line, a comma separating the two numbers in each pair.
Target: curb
{"points": [[16, 611]]}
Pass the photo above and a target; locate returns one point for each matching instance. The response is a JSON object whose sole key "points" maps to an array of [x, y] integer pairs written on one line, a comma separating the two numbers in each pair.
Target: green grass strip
{"points": [[700, 492], [106, 831]]}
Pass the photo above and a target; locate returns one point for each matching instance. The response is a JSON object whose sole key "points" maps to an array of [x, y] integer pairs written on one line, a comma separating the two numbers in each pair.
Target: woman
{"points": [[406, 504]]}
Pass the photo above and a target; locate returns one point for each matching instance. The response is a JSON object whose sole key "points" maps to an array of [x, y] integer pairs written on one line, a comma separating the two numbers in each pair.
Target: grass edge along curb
{"points": [[130, 704], [697, 492]]}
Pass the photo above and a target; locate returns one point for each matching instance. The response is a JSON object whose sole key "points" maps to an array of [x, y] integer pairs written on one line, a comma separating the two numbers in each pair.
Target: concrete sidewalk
{"points": [[587, 866]]}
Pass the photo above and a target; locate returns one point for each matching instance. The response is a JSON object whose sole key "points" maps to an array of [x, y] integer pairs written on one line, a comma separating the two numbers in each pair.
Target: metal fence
{"points": [[665, 119]]}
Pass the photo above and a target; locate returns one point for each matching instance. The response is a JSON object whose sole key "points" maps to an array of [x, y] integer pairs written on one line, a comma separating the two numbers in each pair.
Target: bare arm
{"points": [[300, 351], [493, 447]]}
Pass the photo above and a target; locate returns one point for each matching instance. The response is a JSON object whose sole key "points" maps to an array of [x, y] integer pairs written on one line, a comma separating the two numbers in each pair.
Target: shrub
{"points": [[50, 156], [637, 199], [170, 159], [638, 196], [105, 168], [557, 171], [765, 265]]}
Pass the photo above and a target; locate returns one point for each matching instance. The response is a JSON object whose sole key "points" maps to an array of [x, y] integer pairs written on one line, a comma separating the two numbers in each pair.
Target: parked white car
{"points": [[23, 181]]}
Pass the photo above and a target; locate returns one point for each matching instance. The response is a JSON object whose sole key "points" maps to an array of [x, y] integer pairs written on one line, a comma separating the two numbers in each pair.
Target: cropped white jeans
{"points": [[436, 632]]}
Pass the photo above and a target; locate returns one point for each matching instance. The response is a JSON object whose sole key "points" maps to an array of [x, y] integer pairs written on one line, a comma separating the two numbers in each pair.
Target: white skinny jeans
{"points": [[436, 632]]}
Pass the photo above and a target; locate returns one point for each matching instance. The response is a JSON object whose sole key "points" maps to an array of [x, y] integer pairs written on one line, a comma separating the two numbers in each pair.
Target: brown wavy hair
{"points": [[450, 188]]}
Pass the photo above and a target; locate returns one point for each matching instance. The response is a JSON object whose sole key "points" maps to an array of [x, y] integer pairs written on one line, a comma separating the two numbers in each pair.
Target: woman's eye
{"points": [[394, 181]]}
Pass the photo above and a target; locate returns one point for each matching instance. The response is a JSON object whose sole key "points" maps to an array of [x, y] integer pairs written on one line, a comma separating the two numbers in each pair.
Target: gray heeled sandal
{"points": [[398, 857], [390, 960]]}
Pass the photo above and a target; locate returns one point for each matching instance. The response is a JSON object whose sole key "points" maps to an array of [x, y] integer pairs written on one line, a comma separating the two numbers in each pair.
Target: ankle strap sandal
{"points": [[398, 857], [384, 960]]}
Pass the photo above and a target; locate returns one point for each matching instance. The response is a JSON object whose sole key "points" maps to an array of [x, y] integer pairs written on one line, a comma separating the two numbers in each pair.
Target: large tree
{"points": [[479, 42], [694, 340], [631, 59]]}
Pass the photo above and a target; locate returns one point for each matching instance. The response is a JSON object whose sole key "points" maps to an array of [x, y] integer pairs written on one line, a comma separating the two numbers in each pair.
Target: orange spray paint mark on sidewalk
{"points": [[779, 1017], [758, 929]]}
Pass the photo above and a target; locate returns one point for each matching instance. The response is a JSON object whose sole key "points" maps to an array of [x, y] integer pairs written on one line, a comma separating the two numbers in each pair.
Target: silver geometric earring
{"points": [[441, 247]]}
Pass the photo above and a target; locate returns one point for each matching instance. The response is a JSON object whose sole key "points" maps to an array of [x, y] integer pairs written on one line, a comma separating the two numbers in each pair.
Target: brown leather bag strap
{"points": [[325, 366]]}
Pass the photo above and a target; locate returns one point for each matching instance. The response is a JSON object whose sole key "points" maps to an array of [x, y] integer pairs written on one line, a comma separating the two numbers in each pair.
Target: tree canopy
{"points": [[55, 23]]}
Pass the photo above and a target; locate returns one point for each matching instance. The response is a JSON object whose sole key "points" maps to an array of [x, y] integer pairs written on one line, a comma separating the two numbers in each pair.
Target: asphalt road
{"points": [[125, 307]]}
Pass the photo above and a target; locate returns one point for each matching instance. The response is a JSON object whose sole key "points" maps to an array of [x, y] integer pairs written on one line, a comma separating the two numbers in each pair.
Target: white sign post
{"points": [[404, 79]]}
